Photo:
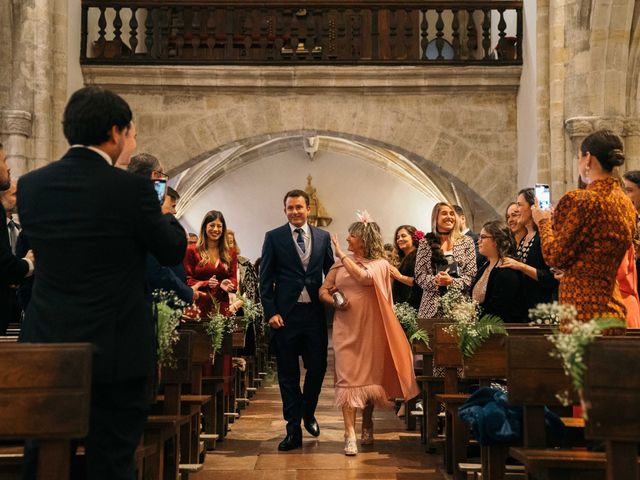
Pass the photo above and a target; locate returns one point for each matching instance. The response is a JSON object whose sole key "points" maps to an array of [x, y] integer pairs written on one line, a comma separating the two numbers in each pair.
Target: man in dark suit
{"points": [[294, 259], [480, 259], [13, 270], [91, 226]]}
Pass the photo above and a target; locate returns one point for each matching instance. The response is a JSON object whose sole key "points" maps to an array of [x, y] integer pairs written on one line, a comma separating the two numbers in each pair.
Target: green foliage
{"points": [[408, 318], [570, 343], [168, 308]]}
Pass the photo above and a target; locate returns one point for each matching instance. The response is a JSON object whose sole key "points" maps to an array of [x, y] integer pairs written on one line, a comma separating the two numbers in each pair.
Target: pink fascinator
{"points": [[364, 217]]}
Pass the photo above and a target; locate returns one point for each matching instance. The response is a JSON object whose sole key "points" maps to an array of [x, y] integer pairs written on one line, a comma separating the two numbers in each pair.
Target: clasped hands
{"points": [[443, 279]]}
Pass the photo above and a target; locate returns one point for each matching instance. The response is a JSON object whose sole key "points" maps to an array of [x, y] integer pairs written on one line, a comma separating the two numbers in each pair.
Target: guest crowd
{"points": [[100, 248]]}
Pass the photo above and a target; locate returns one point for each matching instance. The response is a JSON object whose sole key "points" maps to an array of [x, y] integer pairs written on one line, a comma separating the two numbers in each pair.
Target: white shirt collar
{"points": [[96, 150], [464, 232], [305, 228]]}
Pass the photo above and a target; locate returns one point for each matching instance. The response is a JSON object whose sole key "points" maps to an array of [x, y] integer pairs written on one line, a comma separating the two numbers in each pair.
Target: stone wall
{"points": [[456, 124]]}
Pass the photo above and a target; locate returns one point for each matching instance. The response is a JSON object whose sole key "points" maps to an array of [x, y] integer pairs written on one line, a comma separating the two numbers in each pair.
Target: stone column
{"points": [[632, 143], [16, 127], [577, 128]]}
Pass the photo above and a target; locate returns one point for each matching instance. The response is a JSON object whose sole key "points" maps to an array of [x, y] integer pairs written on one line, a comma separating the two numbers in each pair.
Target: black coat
{"points": [[504, 294], [12, 271], [91, 226], [543, 290]]}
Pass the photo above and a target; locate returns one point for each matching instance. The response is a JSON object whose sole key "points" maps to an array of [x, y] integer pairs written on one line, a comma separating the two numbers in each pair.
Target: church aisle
{"points": [[250, 450]]}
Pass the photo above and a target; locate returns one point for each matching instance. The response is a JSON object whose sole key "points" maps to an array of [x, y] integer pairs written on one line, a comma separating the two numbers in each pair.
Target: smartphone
{"points": [[543, 194], [161, 189]]}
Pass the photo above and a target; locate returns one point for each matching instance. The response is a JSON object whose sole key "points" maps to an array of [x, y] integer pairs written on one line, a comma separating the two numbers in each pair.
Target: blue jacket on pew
{"points": [[494, 421]]}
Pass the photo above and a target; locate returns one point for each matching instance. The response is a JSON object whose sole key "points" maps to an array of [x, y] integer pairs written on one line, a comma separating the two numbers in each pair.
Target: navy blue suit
{"points": [[282, 279]]}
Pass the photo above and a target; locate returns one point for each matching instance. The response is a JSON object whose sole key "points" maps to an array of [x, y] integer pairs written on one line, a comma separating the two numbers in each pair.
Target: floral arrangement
{"points": [[218, 325], [169, 310], [408, 318], [252, 310], [551, 314], [471, 329], [570, 342], [417, 236]]}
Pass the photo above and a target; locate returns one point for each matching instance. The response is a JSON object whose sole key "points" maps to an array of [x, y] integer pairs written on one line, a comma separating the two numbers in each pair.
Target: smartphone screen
{"points": [[543, 194], [161, 189]]}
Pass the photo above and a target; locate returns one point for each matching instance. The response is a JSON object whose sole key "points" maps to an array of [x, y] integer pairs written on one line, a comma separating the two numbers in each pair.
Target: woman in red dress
{"points": [[212, 266]]}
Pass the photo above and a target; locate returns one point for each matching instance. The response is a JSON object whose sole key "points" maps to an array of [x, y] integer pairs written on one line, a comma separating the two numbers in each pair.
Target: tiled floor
{"points": [[250, 450]]}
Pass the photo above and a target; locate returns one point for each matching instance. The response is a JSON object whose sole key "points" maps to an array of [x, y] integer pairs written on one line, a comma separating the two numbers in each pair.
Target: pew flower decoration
{"points": [[218, 325], [570, 343], [408, 318], [470, 327], [169, 310], [252, 310], [550, 314]]}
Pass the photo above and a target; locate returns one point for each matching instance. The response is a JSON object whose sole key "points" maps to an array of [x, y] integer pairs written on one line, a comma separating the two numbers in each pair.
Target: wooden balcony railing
{"points": [[486, 32]]}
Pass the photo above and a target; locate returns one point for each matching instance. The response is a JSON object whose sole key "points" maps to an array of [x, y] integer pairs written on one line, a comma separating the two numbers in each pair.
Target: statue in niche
{"points": [[318, 216]]}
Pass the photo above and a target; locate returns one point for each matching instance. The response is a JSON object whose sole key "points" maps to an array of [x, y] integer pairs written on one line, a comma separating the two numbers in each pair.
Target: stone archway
{"points": [[422, 174]]}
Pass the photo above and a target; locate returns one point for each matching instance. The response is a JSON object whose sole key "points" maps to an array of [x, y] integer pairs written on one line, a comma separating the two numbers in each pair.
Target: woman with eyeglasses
{"points": [[498, 291]]}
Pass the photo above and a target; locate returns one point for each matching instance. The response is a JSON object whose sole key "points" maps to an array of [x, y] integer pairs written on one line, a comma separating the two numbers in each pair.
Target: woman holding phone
{"points": [[211, 266], [539, 284], [591, 231], [445, 257]]}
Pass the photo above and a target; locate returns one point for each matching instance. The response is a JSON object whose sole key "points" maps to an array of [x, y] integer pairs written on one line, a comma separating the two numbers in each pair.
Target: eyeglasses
{"points": [[484, 237], [159, 175]]}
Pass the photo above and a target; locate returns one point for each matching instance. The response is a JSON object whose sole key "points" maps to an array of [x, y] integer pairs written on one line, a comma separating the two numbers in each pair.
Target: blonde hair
{"points": [[236, 248], [456, 231], [369, 234], [203, 241]]}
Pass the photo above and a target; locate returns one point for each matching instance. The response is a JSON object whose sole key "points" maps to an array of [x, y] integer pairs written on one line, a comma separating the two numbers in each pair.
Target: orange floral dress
{"points": [[592, 229]]}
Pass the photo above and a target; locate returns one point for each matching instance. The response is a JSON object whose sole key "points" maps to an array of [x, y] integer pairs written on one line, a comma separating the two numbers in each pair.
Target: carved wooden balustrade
{"points": [[486, 32]]}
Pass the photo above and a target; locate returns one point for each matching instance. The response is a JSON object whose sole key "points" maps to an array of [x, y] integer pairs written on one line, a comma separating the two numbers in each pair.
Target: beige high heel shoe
{"points": [[350, 447], [367, 436]]}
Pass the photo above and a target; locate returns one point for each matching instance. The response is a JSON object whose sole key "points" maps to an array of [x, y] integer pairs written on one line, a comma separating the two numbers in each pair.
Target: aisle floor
{"points": [[250, 450]]}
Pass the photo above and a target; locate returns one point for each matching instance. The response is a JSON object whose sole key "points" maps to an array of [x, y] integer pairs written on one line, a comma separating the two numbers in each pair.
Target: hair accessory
{"points": [[417, 236], [364, 216]]}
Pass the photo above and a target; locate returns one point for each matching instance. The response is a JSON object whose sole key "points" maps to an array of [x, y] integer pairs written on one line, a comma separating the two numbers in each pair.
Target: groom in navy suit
{"points": [[294, 258]]}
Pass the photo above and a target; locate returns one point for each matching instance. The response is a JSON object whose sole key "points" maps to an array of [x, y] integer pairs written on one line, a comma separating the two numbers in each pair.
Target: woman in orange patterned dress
{"points": [[591, 231]]}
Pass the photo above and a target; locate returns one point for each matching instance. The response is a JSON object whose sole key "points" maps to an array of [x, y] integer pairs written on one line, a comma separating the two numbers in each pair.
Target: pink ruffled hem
{"points": [[360, 397]]}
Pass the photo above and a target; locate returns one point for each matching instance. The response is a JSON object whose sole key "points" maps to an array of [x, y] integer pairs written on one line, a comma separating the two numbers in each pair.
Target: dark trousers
{"points": [[304, 334], [118, 415]]}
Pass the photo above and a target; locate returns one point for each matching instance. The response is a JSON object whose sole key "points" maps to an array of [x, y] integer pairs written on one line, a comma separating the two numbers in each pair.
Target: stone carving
{"points": [[579, 126], [632, 127], [15, 122]]}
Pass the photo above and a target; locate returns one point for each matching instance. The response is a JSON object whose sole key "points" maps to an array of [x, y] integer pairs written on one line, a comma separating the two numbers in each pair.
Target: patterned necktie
{"points": [[300, 238], [13, 234]]}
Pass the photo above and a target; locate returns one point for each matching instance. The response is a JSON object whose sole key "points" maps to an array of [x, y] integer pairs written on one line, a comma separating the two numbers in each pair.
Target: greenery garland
{"points": [[570, 343], [168, 309], [408, 318], [471, 329]]}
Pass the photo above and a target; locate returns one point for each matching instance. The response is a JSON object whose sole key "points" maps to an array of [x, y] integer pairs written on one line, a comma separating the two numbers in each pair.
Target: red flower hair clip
{"points": [[417, 236]]}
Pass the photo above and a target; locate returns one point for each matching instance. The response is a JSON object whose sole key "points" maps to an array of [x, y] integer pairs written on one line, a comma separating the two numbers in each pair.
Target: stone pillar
{"points": [[577, 128], [632, 143], [16, 127]]}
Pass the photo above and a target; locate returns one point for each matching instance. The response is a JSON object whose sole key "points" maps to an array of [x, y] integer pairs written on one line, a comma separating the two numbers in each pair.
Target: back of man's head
{"points": [[91, 113], [173, 194], [143, 164]]}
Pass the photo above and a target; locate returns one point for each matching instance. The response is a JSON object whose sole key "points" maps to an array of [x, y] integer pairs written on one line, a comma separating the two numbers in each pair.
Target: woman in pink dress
{"points": [[373, 360], [211, 265]]}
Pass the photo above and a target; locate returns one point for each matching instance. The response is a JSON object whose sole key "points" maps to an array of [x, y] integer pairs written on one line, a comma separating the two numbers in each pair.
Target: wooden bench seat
{"points": [[561, 464]]}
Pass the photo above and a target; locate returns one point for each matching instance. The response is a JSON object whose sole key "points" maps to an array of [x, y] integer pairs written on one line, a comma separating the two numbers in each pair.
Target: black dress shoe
{"points": [[311, 426], [290, 442]]}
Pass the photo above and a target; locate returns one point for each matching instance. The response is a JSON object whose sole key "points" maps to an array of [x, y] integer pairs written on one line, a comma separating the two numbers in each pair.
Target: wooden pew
{"points": [[534, 378], [45, 392], [612, 399], [488, 363]]}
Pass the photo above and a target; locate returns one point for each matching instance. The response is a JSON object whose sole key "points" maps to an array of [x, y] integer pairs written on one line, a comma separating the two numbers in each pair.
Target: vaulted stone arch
{"points": [[421, 173], [477, 159]]}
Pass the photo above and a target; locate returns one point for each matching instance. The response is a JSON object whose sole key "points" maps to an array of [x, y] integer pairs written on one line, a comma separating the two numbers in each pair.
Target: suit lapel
{"points": [[316, 248]]}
